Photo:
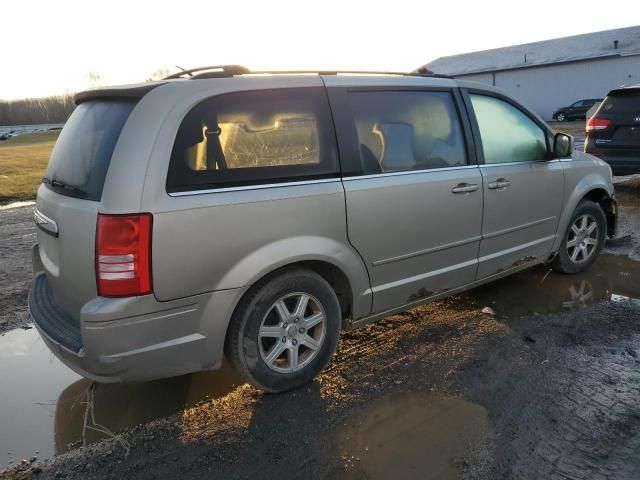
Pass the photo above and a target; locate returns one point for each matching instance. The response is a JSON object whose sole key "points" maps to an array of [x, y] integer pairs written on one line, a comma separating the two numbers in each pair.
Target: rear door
{"points": [[523, 188], [412, 188], [68, 201]]}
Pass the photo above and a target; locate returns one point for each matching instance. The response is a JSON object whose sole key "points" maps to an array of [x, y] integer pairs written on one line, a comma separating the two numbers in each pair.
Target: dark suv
{"points": [[577, 110], [613, 133]]}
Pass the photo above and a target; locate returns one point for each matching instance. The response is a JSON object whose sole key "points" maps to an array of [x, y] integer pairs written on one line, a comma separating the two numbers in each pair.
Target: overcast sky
{"points": [[49, 47]]}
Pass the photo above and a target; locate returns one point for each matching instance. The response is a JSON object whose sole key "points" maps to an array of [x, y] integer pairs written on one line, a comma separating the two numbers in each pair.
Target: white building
{"points": [[553, 73]]}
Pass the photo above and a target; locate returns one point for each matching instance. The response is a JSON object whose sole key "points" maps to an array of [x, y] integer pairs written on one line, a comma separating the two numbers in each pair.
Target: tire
{"points": [[582, 241], [561, 117], [266, 322]]}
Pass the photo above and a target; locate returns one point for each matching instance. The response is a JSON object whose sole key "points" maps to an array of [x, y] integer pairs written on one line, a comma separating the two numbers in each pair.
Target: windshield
{"points": [[80, 159]]}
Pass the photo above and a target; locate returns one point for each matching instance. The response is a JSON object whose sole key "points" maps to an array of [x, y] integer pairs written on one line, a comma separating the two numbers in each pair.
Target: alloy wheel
{"points": [[582, 241], [292, 332]]}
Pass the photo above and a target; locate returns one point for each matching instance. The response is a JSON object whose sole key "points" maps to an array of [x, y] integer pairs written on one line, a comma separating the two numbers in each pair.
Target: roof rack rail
{"points": [[218, 71], [353, 72], [222, 71]]}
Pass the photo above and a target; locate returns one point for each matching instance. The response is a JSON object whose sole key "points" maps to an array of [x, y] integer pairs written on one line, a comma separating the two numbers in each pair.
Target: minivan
{"points": [[254, 215]]}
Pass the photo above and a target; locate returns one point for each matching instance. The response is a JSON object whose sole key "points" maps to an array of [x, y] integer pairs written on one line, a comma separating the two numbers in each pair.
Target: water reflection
{"points": [[540, 291], [44, 404], [114, 407], [411, 436]]}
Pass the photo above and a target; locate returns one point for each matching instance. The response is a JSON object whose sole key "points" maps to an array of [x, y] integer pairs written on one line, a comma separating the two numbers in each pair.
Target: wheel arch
{"points": [[591, 187], [607, 203], [337, 263]]}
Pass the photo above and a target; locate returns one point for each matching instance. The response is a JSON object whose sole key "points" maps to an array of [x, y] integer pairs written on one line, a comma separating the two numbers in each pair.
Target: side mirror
{"points": [[562, 145]]}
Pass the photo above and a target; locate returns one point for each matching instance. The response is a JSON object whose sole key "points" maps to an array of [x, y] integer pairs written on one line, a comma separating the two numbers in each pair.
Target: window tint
{"points": [[81, 156], [507, 134], [622, 103], [254, 137], [407, 130], [579, 103]]}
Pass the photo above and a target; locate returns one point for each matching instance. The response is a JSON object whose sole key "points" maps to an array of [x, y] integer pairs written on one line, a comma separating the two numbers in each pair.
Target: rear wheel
{"points": [[583, 240], [285, 331]]}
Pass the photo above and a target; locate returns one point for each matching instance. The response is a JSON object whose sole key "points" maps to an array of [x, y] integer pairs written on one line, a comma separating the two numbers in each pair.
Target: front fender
{"points": [[577, 187], [292, 250]]}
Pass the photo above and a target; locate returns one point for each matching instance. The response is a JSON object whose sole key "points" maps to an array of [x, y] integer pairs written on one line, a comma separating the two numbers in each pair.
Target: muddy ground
{"points": [[17, 236], [534, 376]]}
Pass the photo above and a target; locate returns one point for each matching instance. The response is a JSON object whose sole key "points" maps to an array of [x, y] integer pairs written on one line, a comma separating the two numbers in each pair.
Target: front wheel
{"points": [[561, 117], [284, 331], [583, 240]]}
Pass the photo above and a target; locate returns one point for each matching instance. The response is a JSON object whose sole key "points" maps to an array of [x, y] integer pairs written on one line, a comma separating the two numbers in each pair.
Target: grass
{"points": [[23, 161]]}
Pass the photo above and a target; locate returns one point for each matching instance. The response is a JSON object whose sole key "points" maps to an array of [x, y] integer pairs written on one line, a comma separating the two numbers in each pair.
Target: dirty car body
{"points": [[177, 214]]}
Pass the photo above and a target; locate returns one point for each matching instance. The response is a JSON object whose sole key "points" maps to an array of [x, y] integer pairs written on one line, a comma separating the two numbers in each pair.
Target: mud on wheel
{"points": [[284, 331]]}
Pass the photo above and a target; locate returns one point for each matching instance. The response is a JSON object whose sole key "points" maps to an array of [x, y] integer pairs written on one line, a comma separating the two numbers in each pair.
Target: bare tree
{"points": [[94, 79], [158, 74], [27, 111]]}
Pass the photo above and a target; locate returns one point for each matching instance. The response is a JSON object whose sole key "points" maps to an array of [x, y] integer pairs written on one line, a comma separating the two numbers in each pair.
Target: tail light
{"points": [[597, 123], [123, 255]]}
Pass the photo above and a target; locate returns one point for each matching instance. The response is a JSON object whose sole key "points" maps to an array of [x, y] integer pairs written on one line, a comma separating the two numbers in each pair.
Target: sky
{"points": [[51, 47]]}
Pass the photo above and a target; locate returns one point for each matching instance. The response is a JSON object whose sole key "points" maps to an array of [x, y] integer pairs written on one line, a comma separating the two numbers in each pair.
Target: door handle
{"points": [[465, 188], [499, 184]]}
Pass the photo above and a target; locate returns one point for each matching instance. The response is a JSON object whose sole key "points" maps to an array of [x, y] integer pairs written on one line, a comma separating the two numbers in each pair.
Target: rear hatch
{"points": [[620, 112], [69, 199]]}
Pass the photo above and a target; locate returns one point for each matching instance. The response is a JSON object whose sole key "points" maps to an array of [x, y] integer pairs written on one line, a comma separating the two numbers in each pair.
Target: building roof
{"points": [[618, 42]]}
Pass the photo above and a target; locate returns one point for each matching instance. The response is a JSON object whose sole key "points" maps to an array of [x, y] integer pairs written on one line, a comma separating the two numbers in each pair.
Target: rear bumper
{"points": [[621, 162], [622, 165], [135, 338]]}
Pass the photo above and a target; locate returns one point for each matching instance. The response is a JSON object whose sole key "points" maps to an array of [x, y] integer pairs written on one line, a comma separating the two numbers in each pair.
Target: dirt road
{"points": [[17, 236], [535, 376]]}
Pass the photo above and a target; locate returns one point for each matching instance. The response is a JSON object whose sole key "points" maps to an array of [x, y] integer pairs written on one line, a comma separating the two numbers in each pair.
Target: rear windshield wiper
{"points": [[57, 183]]}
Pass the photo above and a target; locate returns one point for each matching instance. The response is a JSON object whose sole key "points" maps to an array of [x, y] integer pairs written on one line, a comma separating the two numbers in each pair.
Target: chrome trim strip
{"points": [[377, 263], [518, 227], [531, 162], [253, 187], [377, 316], [422, 276], [491, 256], [406, 172], [44, 223], [323, 180]]}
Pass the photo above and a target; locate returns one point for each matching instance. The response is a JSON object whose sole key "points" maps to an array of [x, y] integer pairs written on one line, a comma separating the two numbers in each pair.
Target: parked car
{"points": [[576, 111], [613, 133], [258, 215]]}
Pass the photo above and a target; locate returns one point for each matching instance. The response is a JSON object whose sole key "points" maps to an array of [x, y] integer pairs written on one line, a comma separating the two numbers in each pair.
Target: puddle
{"points": [[31, 379], [412, 436], [610, 278], [44, 402], [16, 205]]}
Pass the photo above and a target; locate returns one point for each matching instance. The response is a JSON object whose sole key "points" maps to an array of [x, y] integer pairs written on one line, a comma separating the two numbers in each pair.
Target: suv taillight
{"points": [[597, 123], [123, 255]]}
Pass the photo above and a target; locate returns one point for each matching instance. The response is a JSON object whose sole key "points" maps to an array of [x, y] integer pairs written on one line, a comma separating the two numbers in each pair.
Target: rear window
{"points": [[622, 103], [80, 159], [254, 137]]}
